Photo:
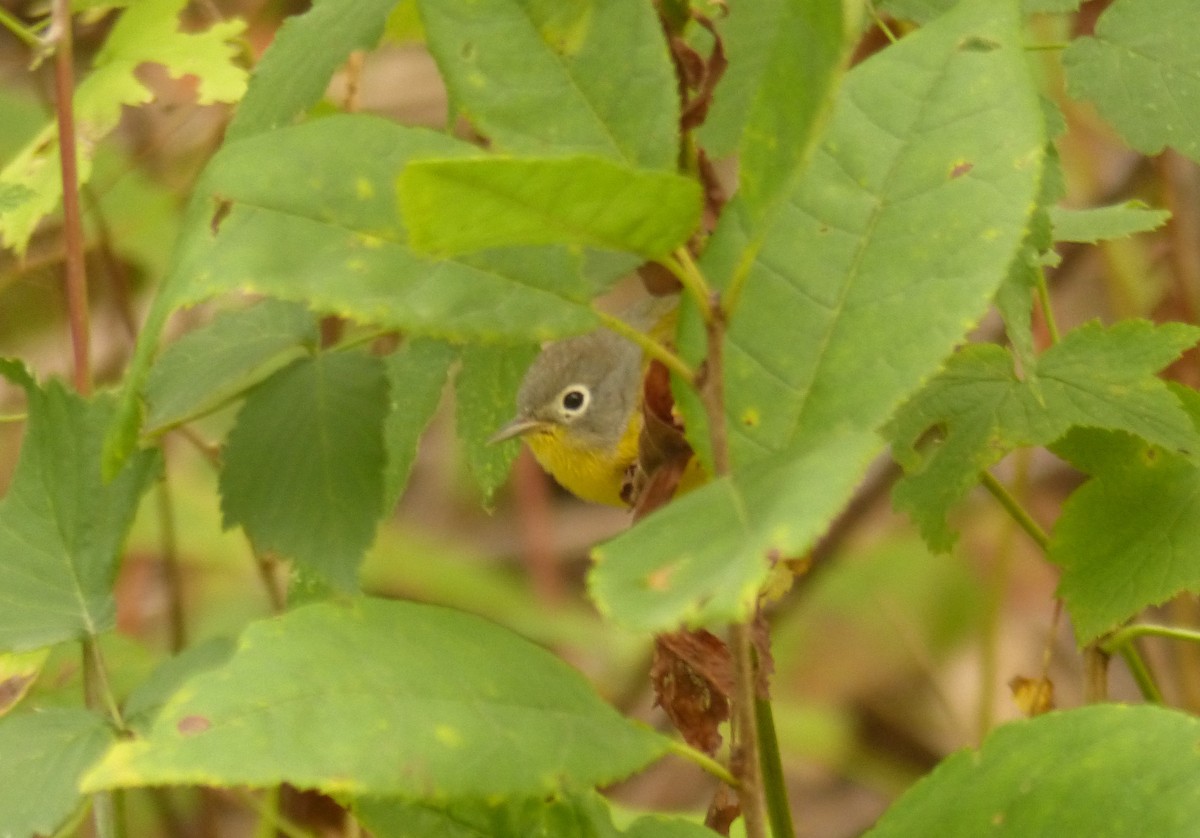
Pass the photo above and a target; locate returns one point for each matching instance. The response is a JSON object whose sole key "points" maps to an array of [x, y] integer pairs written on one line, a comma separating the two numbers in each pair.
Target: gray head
{"points": [[589, 383]]}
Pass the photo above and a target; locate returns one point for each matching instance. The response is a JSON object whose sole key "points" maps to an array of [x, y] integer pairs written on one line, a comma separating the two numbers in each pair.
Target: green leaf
{"points": [[461, 206], [294, 72], [416, 375], [61, 525], [1140, 71], [583, 815], [13, 195], [1126, 540], [779, 51], [314, 219], [898, 236], [1107, 771], [42, 757], [981, 409], [303, 471], [486, 398], [922, 11], [18, 671], [437, 704], [703, 558], [147, 699], [549, 77], [1103, 223], [217, 362], [148, 31]]}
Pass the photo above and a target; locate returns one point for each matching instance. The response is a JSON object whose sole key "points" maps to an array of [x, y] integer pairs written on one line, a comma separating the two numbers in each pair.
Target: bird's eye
{"points": [[574, 400]]}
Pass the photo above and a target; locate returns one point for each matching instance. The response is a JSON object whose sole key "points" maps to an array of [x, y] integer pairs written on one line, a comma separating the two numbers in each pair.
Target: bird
{"points": [[579, 411]]}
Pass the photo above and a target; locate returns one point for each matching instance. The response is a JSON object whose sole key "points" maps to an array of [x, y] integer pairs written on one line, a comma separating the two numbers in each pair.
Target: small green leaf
{"points": [[1106, 771], [703, 558], [417, 375], [1140, 71], [147, 699], [214, 364], [303, 467], [1103, 223], [294, 72], [147, 31], [438, 704], [486, 398], [546, 77], [42, 757], [61, 524], [1126, 540], [461, 206], [981, 410]]}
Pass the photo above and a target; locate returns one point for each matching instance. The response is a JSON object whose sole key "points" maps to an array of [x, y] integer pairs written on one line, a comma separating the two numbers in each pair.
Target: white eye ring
{"points": [[573, 401]]}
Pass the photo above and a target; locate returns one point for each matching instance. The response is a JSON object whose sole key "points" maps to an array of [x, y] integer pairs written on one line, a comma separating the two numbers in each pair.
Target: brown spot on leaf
{"points": [[960, 168], [11, 690], [224, 207], [192, 725]]}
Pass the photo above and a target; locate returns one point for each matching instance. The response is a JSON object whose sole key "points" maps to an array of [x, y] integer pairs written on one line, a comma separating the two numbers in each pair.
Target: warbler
{"points": [[579, 411]]}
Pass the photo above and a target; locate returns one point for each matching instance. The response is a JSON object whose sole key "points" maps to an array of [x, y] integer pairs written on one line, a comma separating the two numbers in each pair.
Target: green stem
{"points": [[13, 417], [1123, 636], [705, 762], [649, 345], [882, 24], [18, 29], [779, 813], [97, 692], [1141, 673], [1043, 292], [172, 572], [744, 724], [684, 267], [1018, 512], [271, 819]]}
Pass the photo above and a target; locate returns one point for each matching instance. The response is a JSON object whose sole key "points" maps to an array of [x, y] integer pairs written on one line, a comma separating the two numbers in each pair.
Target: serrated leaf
{"points": [[779, 51], [582, 815], [437, 704], [217, 362], [314, 219], [294, 72], [1103, 223], [1140, 71], [463, 206], [417, 374], [42, 757], [897, 237], [486, 398], [981, 409], [1125, 540], [61, 525], [703, 558], [547, 77], [303, 465], [1107, 770], [148, 31]]}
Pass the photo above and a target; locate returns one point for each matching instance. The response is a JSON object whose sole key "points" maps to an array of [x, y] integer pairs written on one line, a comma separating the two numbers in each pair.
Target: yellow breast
{"points": [[596, 475]]}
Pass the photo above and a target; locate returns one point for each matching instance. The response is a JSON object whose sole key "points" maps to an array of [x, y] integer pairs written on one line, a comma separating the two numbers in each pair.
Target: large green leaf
{"points": [[897, 237], [1127, 539], [981, 409], [147, 31], [217, 362], [303, 467], [462, 206], [574, 816], [61, 524], [779, 51], [1141, 72], [1107, 771], [704, 557], [385, 698], [42, 757], [294, 72], [554, 77]]}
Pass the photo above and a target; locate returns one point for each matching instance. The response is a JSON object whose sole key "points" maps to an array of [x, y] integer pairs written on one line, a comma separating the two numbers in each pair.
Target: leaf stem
{"points": [[77, 293], [779, 813], [705, 762], [1018, 512], [649, 345], [13, 417], [1141, 673], [882, 24], [15, 26], [1043, 292], [684, 267], [172, 573], [1123, 636]]}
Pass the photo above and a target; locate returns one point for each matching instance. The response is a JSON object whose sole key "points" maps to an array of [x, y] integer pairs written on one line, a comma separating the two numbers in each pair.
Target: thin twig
{"points": [[15, 26], [649, 345], [779, 813], [705, 762], [1018, 512], [683, 266], [744, 739], [172, 572], [77, 294]]}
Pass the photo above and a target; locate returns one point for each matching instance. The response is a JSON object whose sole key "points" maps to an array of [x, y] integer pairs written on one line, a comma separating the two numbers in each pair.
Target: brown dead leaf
{"points": [[723, 811], [1034, 696], [692, 675]]}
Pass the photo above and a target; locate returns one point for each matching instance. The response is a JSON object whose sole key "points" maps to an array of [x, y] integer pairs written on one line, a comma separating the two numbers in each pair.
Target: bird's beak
{"points": [[517, 427]]}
